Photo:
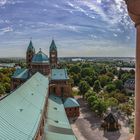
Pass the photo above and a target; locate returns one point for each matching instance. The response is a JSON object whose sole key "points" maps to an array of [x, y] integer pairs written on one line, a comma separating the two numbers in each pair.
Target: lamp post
{"points": [[133, 7]]}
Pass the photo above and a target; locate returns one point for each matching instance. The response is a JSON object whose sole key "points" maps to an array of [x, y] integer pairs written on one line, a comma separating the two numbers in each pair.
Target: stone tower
{"points": [[29, 54], [53, 55], [133, 7]]}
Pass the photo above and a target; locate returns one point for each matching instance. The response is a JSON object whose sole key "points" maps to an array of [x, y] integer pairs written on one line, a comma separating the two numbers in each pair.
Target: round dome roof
{"points": [[71, 102], [40, 57]]}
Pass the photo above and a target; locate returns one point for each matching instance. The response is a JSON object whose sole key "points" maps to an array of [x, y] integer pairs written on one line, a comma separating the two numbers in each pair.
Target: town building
{"points": [[110, 122], [129, 86], [40, 102]]}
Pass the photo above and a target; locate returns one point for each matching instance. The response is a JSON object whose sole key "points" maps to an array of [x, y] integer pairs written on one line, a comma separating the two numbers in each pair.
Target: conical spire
{"points": [[53, 46], [30, 47]]}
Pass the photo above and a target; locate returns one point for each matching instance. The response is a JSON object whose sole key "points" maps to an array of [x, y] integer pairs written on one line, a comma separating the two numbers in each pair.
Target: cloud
{"points": [[78, 8], [92, 27], [2, 2], [57, 26], [115, 35], [7, 29], [113, 12]]}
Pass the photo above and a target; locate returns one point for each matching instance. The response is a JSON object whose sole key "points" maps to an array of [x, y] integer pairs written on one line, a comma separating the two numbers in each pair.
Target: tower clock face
{"points": [[52, 55]]}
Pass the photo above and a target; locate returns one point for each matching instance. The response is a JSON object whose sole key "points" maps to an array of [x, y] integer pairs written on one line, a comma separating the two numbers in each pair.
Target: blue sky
{"points": [[79, 27]]}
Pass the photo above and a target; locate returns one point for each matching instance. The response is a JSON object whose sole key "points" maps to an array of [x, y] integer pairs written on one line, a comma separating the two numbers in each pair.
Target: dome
{"points": [[71, 102], [40, 57]]}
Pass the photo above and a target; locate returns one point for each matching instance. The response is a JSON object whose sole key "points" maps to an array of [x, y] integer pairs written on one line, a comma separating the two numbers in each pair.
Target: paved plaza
{"points": [[87, 126]]}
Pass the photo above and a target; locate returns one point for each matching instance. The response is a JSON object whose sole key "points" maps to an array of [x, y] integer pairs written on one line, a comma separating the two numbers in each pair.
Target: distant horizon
{"points": [[75, 57]]}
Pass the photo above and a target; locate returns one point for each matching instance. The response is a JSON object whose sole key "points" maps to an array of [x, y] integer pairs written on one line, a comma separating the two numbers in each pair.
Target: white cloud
{"points": [[7, 29], [99, 1], [78, 8], [59, 26], [112, 12], [2, 2], [115, 35]]}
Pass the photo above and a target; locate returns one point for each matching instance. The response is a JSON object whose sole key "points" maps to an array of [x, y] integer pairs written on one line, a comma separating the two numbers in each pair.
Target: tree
{"points": [[88, 79], [112, 102], [6, 79], [75, 69], [114, 71], [118, 84], [103, 70], [76, 79], [126, 76], [104, 80], [120, 97], [110, 87], [7, 87], [97, 86], [71, 81], [89, 93], [99, 107], [86, 72], [2, 89], [111, 75], [91, 99], [83, 87], [127, 109]]}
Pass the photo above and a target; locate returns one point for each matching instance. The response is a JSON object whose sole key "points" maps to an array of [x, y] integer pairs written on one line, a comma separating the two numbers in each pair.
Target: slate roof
{"points": [[57, 126], [130, 84], [53, 46], [40, 57], [111, 118], [20, 112], [21, 74], [71, 102], [59, 74]]}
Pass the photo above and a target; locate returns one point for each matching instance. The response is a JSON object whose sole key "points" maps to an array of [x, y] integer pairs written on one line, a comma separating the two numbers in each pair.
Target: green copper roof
{"points": [[40, 57], [71, 102], [21, 74], [53, 46], [20, 112], [59, 74], [57, 126], [30, 47]]}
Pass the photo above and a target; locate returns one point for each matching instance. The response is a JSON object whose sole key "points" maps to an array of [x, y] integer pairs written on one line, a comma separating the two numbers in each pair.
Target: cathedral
{"points": [[48, 66], [40, 102], [36, 62]]}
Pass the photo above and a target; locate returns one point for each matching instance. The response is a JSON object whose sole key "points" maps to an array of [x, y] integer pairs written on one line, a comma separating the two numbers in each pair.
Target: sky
{"points": [[79, 27]]}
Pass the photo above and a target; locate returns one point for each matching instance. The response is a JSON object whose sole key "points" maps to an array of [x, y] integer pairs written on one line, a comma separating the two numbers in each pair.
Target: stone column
{"points": [[134, 12]]}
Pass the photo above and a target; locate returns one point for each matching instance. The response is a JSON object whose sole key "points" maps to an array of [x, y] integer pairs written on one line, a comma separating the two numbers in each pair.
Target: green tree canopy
{"points": [[112, 102], [2, 89], [99, 107], [110, 88], [104, 80], [83, 87], [86, 72], [97, 86], [89, 93], [75, 69], [118, 84]]}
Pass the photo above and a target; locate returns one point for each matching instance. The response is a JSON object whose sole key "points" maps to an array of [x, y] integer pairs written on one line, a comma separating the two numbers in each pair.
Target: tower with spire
{"points": [[53, 55], [29, 54]]}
